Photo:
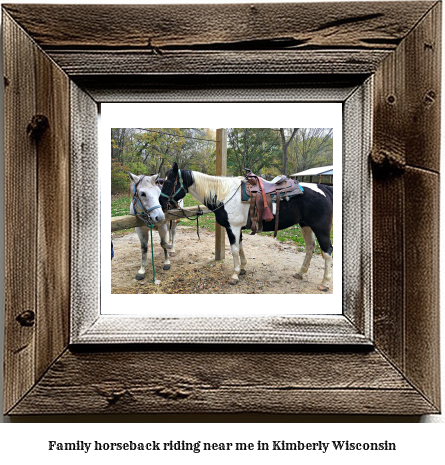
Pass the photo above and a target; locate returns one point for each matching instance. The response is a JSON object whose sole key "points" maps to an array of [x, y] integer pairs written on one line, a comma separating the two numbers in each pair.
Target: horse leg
{"points": [[242, 256], [234, 239], [324, 286], [143, 237], [309, 242], [162, 229], [324, 239], [171, 238]]}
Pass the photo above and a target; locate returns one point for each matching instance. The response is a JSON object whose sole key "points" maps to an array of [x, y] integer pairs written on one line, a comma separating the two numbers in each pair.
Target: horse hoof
{"points": [[242, 272], [323, 288], [298, 276], [232, 282], [172, 254], [166, 267], [139, 277]]}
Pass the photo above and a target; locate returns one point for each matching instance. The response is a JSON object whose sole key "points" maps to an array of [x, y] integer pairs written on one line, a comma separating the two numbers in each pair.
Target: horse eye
{"points": [[142, 194]]}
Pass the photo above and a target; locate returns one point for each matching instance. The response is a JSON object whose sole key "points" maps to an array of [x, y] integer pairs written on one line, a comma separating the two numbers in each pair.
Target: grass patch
{"points": [[120, 206]]}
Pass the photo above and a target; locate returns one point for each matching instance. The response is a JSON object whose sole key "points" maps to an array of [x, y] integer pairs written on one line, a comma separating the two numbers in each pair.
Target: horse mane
{"points": [[207, 187]]}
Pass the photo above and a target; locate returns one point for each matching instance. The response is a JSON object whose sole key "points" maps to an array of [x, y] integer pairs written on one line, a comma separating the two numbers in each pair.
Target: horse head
{"points": [[173, 188], [145, 197]]}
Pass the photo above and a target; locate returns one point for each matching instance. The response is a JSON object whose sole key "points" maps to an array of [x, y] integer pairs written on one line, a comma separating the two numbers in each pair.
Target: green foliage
{"points": [[119, 177], [256, 149], [154, 150]]}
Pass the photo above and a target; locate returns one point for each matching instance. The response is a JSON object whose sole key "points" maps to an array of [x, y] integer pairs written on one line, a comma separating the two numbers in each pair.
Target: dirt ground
{"points": [[270, 266]]}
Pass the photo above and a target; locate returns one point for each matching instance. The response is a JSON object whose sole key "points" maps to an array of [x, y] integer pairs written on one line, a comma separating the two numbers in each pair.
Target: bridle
{"points": [[144, 214], [171, 197]]}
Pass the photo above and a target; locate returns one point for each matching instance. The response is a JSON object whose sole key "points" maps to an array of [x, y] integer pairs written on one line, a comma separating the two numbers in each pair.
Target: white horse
{"points": [[145, 202], [312, 211]]}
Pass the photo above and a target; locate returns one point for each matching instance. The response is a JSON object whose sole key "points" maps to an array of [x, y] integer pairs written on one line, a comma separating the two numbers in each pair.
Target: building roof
{"points": [[321, 170]]}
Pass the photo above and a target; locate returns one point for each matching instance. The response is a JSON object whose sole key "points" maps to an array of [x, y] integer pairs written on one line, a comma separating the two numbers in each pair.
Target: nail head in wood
{"points": [[26, 318], [37, 126]]}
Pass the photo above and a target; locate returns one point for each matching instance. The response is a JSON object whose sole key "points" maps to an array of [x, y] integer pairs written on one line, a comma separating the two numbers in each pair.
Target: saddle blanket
{"points": [[245, 197]]}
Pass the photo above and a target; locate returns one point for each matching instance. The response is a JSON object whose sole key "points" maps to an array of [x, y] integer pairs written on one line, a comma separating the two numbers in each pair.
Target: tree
{"points": [[157, 148], [252, 148], [119, 177], [119, 138], [311, 148], [285, 145]]}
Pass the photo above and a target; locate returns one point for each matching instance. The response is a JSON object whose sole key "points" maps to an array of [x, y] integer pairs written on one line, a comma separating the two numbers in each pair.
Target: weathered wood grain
{"points": [[389, 144], [423, 48], [221, 382], [422, 245], [220, 88], [195, 330], [20, 213], [128, 62], [85, 268], [357, 184], [407, 114], [406, 132], [240, 26], [130, 221], [388, 268], [53, 204], [37, 169]]}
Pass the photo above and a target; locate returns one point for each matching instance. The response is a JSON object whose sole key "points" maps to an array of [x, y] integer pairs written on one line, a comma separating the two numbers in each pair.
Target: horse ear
{"points": [[154, 177], [133, 177], [175, 168]]}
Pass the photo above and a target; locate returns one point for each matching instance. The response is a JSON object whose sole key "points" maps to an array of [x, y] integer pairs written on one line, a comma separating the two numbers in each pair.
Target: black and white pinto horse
{"points": [[313, 211], [145, 201]]}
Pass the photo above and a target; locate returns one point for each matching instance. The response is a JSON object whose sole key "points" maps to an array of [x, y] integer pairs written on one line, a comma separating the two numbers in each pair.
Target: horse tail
{"points": [[326, 188]]}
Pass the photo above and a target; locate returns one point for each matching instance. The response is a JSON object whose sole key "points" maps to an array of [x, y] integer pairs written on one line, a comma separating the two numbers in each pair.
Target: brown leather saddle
{"points": [[262, 193]]}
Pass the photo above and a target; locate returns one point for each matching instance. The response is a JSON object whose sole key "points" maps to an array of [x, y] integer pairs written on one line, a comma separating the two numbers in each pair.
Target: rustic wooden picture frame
{"points": [[75, 57]]}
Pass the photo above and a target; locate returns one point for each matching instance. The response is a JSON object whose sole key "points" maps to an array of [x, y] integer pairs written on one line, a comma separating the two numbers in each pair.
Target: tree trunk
{"points": [[284, 149], [284, 146]]}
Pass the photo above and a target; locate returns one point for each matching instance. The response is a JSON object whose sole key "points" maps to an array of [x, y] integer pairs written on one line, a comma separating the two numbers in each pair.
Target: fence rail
{"points": [[130, 221]]}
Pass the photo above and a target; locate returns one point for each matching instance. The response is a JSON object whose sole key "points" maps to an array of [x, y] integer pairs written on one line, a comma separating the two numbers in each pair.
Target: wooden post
{"points": [[221, 170]]}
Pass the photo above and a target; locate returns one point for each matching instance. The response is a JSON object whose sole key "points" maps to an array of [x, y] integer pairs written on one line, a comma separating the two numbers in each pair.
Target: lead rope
{"points": [[146, 219], [197, 221], [152, 257]]}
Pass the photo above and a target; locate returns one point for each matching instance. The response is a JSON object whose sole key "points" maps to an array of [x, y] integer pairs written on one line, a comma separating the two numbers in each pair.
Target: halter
{"points": [[173, 194], [144, 215]]}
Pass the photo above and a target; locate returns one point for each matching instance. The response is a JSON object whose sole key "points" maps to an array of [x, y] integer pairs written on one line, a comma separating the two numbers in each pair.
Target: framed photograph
{"points": [[245, 312], [369, 345]]}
